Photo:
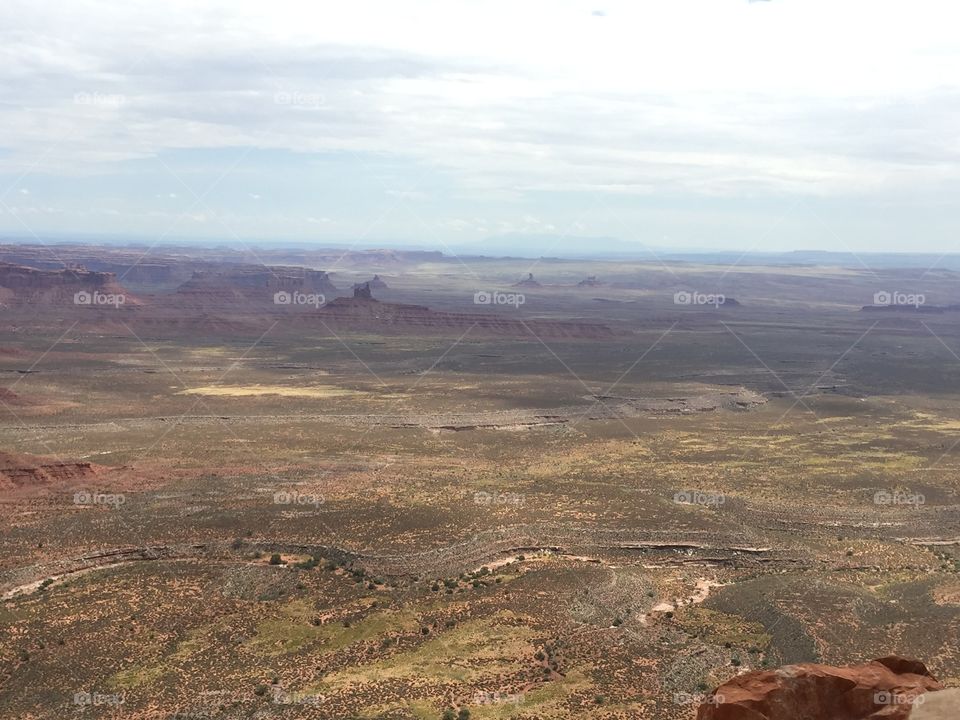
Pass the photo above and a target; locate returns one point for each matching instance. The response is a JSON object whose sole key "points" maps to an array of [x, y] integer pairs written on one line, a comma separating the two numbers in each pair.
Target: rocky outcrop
{"points": [[528, 282], [68, 287], [590, 281], [28, 472], [376, 283], [884, 689], [605, 407]]}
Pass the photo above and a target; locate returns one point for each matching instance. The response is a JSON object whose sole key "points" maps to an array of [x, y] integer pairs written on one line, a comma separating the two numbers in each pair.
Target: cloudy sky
{"points": [[779, 125]]}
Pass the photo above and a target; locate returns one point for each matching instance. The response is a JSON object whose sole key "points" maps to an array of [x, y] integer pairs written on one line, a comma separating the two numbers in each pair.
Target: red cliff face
{"points": [[884, 689], [28, 472], [75, 286]]}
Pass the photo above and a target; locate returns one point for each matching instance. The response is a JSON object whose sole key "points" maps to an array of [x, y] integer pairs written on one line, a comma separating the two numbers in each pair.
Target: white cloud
{"points": [[701, 98]]}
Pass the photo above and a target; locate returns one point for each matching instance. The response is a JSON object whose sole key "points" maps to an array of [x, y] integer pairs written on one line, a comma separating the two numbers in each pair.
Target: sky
{"points": [[683, 124]]}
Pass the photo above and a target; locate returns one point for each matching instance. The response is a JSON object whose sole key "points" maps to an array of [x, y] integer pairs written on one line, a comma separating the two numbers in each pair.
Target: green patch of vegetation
{"points": [[484, 647], [137, 676], [293, 629], [147, 673], [720, 628]]}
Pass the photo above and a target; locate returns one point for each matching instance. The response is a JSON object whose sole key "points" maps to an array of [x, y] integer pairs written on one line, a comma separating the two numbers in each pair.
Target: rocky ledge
{"points": [[890, 688]]}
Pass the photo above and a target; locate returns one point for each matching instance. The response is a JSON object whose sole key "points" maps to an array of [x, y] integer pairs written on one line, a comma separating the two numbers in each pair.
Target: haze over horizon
{"points": [[445, 124]]}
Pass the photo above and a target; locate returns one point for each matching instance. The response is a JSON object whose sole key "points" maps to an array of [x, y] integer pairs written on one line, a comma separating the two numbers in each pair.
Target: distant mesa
{"points": [[170, 266], [253, 284], [21, 285], [730, 302], [528, 282], [234, 297], [590, 281], [376, 283], [364, 312], [883, 689], [132, 265]]}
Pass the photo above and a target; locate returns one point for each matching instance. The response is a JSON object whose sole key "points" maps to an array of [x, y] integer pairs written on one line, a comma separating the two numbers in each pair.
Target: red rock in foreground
{"points": [[884, 689]]}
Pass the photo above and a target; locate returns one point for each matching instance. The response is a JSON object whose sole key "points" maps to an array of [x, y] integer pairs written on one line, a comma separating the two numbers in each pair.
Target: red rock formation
{"points": [[28, 472], [67, 287], [884, 689], [236, 297]]}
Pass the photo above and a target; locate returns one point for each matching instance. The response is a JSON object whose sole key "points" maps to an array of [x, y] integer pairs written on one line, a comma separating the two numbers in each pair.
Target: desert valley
{"points": [[403, 484], [457, 360]]}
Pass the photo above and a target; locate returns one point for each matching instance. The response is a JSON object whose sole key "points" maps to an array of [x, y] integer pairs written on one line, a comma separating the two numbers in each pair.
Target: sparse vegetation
{"points": [[418, 583]]}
